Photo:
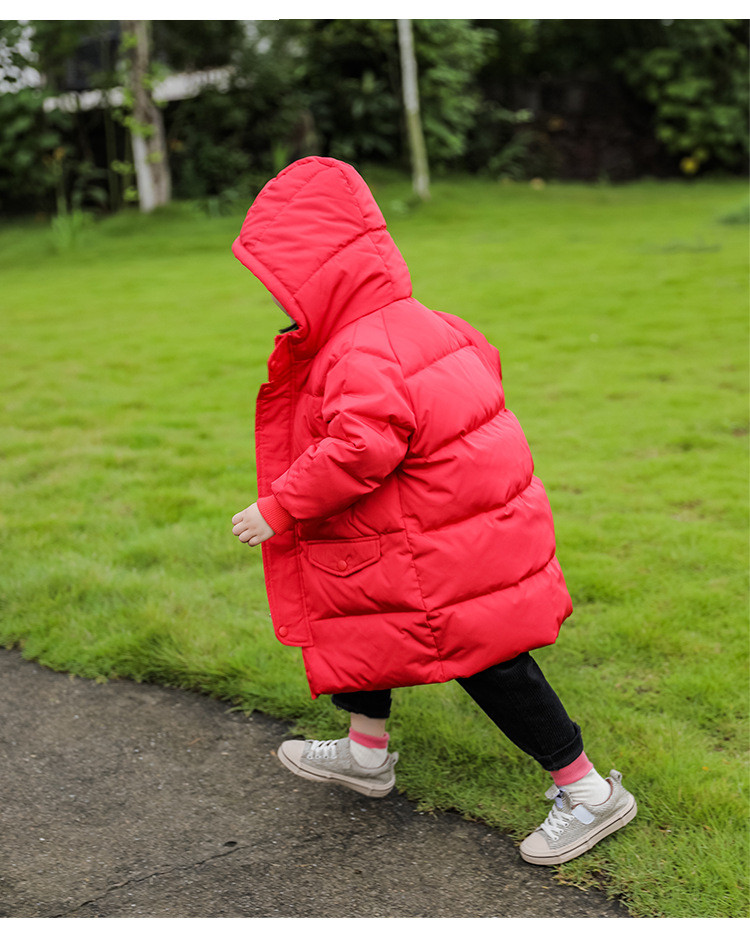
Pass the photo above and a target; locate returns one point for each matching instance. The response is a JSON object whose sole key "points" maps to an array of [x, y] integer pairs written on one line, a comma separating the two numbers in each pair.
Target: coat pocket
{"points": [[342, 557]]}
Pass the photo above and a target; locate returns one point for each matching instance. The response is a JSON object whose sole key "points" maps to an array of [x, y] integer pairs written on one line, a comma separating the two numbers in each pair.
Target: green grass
{"points": [[130, 366]]}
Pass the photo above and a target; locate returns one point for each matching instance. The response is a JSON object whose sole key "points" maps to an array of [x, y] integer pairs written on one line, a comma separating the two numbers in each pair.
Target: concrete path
{"points": [[128, 800]]}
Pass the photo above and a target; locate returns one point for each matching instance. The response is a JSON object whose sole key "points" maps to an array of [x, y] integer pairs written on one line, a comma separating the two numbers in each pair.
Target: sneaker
{"points": [[332, 762], [570, 830]]}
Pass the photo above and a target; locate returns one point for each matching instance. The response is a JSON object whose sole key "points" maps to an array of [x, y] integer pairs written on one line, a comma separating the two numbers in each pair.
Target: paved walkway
{"points": [[128, 800]]}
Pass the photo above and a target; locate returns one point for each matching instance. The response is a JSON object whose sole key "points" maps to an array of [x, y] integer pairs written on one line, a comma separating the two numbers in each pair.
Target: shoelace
{"points": [[323, 749], [555, 822]]}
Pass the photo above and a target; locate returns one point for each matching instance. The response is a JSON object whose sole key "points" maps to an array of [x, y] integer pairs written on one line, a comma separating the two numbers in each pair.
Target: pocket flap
{"points": [[343, 557]]}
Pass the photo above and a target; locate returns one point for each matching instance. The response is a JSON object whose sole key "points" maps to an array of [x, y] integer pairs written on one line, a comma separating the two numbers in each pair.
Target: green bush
{"points": [[673, 94], [207, 146], [696, 80], [30, 149]]}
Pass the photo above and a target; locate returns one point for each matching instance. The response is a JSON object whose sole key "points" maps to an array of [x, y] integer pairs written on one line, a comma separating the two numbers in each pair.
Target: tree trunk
{"points": [[420, 169], [146, 124]]}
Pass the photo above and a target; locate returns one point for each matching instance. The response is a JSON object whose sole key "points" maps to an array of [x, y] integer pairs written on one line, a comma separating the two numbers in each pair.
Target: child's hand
{"points": [[251, 527]]}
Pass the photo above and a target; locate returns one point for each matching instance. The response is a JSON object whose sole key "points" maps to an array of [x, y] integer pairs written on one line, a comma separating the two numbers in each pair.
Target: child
{"points": [[405, 538]]}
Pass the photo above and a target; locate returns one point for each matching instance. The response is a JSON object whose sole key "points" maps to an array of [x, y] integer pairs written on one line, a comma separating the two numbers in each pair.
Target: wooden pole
{"points": [[417, 149]]}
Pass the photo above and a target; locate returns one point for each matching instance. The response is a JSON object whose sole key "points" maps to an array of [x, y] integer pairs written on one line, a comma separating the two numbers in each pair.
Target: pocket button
{"points": [[342, 565], [283, 631]]}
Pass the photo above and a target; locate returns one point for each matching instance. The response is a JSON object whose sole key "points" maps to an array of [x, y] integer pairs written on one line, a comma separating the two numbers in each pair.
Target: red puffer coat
{"points": [[421, 546]]}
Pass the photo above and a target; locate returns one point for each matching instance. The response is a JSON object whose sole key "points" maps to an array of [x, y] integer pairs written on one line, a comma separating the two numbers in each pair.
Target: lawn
{"points": [[130, 363]]}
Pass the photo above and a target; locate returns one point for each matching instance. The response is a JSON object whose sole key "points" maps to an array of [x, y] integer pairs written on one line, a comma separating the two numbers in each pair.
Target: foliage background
{"points": [[558, 99]]}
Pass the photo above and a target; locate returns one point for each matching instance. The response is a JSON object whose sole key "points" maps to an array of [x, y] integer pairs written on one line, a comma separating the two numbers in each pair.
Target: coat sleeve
{"points": [[369, 421]]}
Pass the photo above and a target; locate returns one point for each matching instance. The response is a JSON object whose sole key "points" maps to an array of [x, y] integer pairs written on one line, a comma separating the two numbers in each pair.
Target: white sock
{"points": [[591, 789], [368, 756]]}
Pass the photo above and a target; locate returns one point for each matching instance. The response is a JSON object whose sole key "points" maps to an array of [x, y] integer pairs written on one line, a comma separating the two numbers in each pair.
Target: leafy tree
{"points": [[681, 83], [31, 152], [73, 55], [31, 142], [145, 120], [695, 77], [450, 54], [346, 74], [208, 152], [190, 45]]}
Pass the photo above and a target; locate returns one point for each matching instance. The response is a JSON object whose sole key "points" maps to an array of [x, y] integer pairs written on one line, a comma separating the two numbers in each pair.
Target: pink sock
{"points": [[369, 740], [579, 768]]}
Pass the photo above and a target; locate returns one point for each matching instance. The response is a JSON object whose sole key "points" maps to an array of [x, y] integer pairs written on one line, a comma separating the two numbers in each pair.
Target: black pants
{"points": [[517, 697]]}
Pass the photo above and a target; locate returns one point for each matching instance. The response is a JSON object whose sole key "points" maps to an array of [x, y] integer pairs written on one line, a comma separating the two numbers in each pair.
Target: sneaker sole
{"points": [[573, 851], [361, 786]]}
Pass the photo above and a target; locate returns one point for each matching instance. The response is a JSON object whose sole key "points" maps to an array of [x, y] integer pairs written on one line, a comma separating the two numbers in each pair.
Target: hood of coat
{"points": [[316, 239]]}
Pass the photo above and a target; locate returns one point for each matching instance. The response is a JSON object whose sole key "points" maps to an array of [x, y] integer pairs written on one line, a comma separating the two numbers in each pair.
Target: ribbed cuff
{"points": [[275, 514], [567, 775], [369, 740]]}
